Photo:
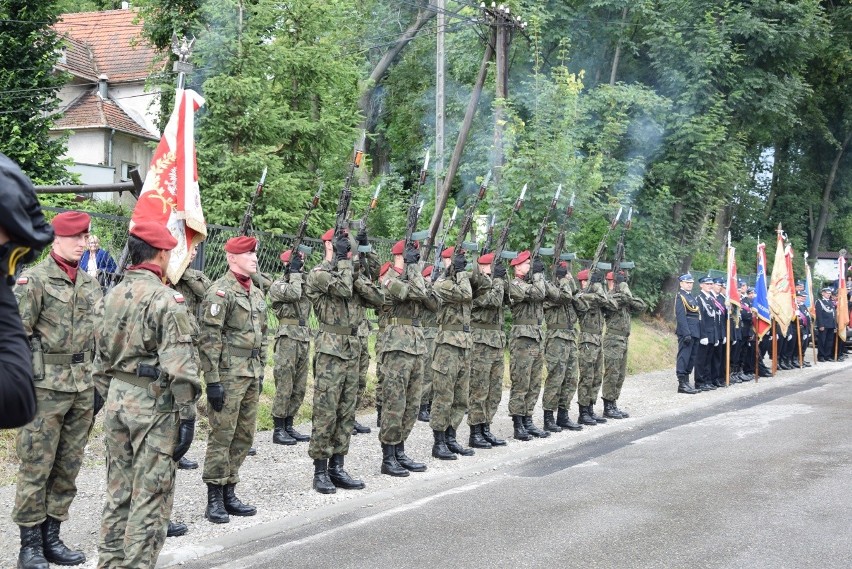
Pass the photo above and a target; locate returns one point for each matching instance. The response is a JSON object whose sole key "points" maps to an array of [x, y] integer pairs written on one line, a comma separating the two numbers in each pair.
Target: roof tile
{"points": [[90, 111]]}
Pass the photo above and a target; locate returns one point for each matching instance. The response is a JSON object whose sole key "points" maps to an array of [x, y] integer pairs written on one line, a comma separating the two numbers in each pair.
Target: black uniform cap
{"points": [[21, 214]]}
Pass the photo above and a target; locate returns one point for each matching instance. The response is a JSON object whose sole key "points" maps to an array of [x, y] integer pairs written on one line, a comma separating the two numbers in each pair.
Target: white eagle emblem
{"points": [[215, 309]]}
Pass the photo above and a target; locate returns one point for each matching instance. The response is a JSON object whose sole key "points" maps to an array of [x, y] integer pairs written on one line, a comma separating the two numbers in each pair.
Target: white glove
{"points": [[724, 341], [704, 341], [734, 343], [789, 337], [716, 344]]}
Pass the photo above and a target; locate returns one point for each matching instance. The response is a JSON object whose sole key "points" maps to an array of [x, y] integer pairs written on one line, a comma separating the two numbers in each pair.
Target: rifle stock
{"points": [[504, 234], [543, 227], [601, 246], [296, 245], [245, 225]]}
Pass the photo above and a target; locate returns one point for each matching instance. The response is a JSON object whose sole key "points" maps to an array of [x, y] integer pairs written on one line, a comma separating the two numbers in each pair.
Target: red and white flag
{"points": [[170, 194], [732, 286], [842, 299]]}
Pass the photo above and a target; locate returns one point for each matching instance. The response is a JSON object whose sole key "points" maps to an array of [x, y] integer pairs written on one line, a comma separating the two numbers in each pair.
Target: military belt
{"points": [[245, 353], [67, 359], [339, 330], [560, 326], [454, 328], [483, 326], [404, 321], [133, 379], [292, 321], [526, 322]]}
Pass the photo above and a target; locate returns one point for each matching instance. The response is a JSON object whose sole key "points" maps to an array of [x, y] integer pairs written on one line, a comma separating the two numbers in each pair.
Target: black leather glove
{"points": [[260, 386], [687, 340], [596, 277], [620, 278], [362, 237], [411, 255], [296, 263], [561, 271], [500, 270], [99, 402], [186, 432], [436, 272], [459, 263], [216, 396], [537, 266], [342, 247]]}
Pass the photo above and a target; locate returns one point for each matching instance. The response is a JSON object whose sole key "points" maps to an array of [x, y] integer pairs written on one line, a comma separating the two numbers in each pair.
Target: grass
{"points": [[653, 346]]}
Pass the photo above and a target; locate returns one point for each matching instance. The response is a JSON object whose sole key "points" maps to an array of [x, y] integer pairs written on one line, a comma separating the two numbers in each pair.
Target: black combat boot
{"points": [[54, 550], [252, 451], [322, 483], [32, 552], [359, 429], [340, 477], [520, 431], [187, 464], [532, 429], [586, 417], [216, 511], [489, 436], [423, 414], [176, 529], [683, 385], [234, 505], [595, 416], [611, 411], [564, 421], [624, 414], [279, 434], [782, 364], [550, 423], [389, 463], [406, 462], [454, 446], [288, 426], [477, 439], [439, 448]]}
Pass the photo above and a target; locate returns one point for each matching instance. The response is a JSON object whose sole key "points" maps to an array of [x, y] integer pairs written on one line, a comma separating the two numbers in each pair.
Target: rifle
{"points": [[504, 234], [489, 236], [340, 221], [618, 260], [374, 201], [296, 246], [245, 226], [559, 243], [467, 222], [602, 246], [543, 227], [439, 248]]}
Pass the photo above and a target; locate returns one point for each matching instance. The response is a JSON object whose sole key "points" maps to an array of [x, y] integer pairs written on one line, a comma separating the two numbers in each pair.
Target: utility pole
{"points": [[440, 67]]}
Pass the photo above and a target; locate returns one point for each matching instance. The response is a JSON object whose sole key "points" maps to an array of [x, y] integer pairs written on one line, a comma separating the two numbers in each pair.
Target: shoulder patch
{"points": [[220, 292], [179, 297], [23, 280], [215, 309]]}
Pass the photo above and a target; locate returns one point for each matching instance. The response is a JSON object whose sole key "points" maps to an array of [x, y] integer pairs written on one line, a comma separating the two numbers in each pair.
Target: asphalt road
{"points": [[758, 481]]}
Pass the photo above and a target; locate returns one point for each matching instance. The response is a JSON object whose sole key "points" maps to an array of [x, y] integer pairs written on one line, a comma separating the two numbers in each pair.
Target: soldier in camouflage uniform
{"points": [[292, 349], [590, 303], [560, 351], [451, 358], [615, 342], [60, 307], [489, 342], [148, 370], [337, 296], [401, 357], [429, 325], [526, 297], [233, 357]]}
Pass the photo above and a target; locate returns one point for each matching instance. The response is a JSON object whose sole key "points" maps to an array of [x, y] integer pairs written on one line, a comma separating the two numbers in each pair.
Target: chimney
{"points": [[102, 86], [125, 5]]}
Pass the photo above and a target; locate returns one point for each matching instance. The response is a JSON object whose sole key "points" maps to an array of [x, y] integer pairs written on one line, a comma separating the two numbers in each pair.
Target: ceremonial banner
{"points": [[781, 289], [733, 281], [842, 299], [809, 289], [170, 194], [761, 304]]}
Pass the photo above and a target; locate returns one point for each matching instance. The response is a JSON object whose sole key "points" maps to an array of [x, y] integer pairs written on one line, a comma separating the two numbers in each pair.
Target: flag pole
{"points": [[774, 347], [755, 318], [728, 319]]}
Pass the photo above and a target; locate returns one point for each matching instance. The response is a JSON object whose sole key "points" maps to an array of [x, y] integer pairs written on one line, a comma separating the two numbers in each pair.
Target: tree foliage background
{"points": [[707, 116]]}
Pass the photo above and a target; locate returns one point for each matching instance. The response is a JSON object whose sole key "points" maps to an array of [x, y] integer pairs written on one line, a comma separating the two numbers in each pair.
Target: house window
{"points": [[126, 169]]}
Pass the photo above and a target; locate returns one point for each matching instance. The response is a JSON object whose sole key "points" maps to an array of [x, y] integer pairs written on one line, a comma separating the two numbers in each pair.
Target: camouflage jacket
{"points": [[292, 306], [368, 293], [455, 294], [527, 302], [618, 317], [486, 317], [559, 310], [590, 305], [146, 322], [330, 289], [233, 330], [60, 318], [404, 296], [193, 286]]}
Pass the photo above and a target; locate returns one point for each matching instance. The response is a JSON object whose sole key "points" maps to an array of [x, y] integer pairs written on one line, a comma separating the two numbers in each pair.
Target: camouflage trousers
{"points": [[525, 368], [231, 430], [591, 373], [363, 366], [291, 376], [50, 449], [450, 385], [426, 391], [403, 376], [615, 365], [140, 477], [335, 392], [486, 383], [560, 384]]}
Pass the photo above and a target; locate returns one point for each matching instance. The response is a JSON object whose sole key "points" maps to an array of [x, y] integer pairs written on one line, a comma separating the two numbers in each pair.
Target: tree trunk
{"points": [[778, 164], [617, 55], [723, 225], [826, 198]]}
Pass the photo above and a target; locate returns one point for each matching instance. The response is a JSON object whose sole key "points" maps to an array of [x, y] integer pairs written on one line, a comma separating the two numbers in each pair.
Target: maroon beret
{"points": [[384, 269], [485, 259], [242, 244], [583, 275], [522, 256], [70, 223], [448, 253], [154, 234], [285, 256], [328, 235], [427, 272]]}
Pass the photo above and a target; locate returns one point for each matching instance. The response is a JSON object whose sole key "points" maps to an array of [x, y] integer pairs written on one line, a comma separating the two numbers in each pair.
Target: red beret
{"points": [[399, 247], [522, 256], [384, 269], [154, 234], [562, 264], [583, 275], [70, 223], [285, 256], [427, 272], [609, 276], [328, 235], [485, 259], [242, 244], [448, 253]]}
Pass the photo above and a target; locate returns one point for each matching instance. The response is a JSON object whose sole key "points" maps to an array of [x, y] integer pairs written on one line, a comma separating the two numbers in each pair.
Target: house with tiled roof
{"points": [[105, 108]]}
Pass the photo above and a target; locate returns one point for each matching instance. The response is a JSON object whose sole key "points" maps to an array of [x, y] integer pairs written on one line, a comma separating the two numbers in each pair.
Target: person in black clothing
{"points": [[826, 324], [717, 369], [688, 333], [709, 335], [23, 234], [747, 358]]}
